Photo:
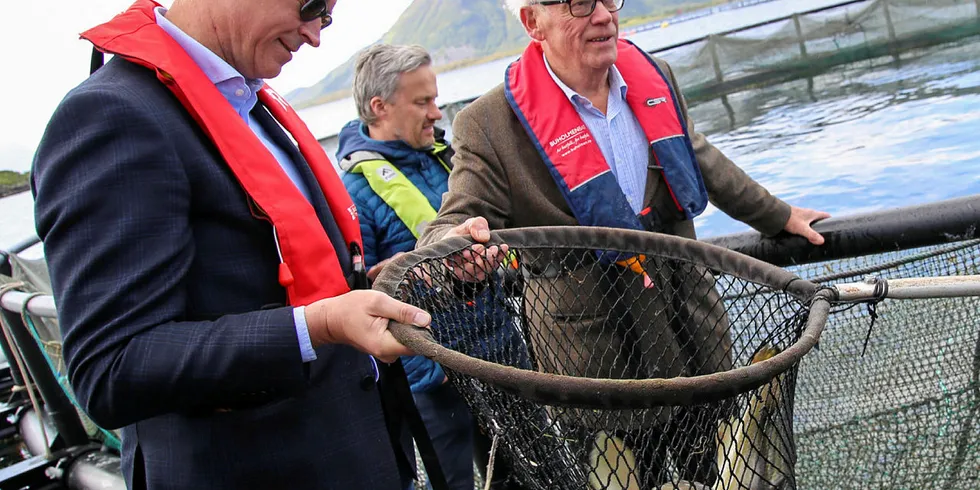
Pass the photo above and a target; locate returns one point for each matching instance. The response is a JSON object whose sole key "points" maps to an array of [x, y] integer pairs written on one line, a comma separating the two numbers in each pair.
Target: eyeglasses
{"points": [[313, 9], [583, 8]]}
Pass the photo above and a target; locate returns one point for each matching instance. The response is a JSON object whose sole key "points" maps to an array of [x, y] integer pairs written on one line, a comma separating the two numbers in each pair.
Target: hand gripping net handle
{"points": [[605, 393]]}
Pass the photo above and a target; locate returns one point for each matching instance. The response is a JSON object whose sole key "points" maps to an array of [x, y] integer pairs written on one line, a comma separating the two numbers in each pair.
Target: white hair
{"points": [[515, 6]]}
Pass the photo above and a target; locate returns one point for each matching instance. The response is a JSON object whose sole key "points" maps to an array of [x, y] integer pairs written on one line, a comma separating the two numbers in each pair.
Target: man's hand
{"points": [[476, 228], [360, 319], [477, 262], [800, 220]]}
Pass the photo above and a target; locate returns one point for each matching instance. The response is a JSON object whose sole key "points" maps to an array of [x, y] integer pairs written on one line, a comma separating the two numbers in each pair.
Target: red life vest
{"points": [[572, 155], [310, 269]]}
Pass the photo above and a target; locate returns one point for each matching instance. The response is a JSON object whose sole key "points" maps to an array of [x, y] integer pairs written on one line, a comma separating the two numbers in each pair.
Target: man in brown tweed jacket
{"points": [[510, 172]]}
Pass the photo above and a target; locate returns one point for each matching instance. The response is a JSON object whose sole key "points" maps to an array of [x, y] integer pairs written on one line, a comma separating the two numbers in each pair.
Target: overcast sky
{"points": [[43, 58]]}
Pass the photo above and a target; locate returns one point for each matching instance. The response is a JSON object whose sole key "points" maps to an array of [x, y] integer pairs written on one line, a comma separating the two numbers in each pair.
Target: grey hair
{"points": [[377, 70], [515, 6]]}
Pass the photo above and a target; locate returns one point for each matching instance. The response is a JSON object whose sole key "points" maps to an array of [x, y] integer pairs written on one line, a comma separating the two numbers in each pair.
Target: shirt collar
{"points": [[240, 93], [616, 80]]}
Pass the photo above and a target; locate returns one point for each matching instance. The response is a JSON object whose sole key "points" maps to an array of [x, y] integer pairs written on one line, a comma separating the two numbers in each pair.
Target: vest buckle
{"points": [[359, 278]]}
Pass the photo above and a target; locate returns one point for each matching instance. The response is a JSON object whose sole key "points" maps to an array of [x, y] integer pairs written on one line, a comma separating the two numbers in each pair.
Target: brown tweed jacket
{"points": [[498, 174]]}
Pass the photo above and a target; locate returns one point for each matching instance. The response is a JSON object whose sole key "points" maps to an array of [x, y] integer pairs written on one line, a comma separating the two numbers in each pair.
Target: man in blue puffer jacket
{"points": [[394, 150]]}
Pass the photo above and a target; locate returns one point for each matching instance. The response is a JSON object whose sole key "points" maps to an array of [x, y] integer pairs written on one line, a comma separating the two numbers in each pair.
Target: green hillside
{"points": [[458, 32], [13, 182]]}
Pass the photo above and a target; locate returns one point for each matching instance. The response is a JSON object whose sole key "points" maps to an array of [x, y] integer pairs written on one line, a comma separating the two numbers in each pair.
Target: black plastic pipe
{"points": [[865, 234], [89, 470]]}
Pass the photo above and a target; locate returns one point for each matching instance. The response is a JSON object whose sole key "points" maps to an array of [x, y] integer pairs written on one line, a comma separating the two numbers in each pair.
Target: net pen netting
{"points": [[817, 40], [897, 406]]}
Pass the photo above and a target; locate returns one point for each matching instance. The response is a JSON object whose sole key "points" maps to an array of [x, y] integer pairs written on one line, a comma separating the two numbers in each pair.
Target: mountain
{"points": [[458, 32]]}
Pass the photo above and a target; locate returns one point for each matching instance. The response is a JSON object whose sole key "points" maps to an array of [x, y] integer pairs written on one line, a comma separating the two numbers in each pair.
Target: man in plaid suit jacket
{"points": [[177, 325]]}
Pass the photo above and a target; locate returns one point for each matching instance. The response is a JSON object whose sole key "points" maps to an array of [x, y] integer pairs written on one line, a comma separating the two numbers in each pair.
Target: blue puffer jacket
{"points": [[383, 232]]}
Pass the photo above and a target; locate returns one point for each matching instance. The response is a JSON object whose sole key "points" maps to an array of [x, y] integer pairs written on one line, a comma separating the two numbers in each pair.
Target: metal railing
{"points": [[71, 456]]}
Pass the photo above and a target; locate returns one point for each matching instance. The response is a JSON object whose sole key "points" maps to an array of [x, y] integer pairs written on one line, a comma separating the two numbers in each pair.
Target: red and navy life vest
{"points": [[572, 155], [310, 269]]}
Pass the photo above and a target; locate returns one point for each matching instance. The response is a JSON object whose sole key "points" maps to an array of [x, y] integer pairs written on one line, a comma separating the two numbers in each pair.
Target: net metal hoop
{"points": [[605, 393]]}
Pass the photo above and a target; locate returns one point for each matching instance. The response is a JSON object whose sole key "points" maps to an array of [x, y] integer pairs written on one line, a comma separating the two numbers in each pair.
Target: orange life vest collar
{"points": [[310, 269]]}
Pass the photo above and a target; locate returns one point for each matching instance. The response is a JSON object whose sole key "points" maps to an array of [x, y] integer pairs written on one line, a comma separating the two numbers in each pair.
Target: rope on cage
{"points": [[109, 438], [493, 456], [880, 292], [809, 301], [18, 359]]}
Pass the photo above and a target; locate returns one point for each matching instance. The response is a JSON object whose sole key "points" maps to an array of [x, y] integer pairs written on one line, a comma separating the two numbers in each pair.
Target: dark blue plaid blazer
{"points": [[175, 327]]}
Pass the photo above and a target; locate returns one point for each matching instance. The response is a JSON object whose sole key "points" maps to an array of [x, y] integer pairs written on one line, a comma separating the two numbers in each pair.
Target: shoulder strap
{"points": [[443, 152], [394, 188]]}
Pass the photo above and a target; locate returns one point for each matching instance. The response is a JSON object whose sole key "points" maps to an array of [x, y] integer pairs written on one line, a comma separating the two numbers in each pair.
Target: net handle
{"points": [[599, 238], [570, 391]]}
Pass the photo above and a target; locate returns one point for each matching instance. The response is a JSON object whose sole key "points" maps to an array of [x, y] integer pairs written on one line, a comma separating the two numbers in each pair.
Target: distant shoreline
{"points": [[10, 190]]}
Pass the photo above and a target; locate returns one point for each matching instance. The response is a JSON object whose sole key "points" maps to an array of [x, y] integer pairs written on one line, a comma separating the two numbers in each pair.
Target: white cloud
{"points": [[44, 58]]}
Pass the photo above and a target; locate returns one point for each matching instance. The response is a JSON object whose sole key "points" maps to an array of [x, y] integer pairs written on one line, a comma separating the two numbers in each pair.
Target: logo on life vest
{"points": [[278, 98], [656, 102], [387, 173], [568, 134], [572, 140]]}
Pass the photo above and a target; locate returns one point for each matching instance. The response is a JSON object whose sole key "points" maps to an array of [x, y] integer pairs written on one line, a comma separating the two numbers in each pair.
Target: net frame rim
{"points": [[606, 393]]}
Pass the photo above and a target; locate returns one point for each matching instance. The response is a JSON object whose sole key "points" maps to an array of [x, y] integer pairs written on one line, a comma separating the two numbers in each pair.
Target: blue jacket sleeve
{"points": [[423, 373], [113, 207]]}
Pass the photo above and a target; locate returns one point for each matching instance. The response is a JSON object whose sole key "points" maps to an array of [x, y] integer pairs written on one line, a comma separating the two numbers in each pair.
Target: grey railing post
{"points": [[888, 20], [712, 47], [799, 34], [11, 365]]}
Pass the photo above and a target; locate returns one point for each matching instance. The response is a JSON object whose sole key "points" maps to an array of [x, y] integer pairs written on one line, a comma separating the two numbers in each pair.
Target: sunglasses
{"points": [[316, 9]]}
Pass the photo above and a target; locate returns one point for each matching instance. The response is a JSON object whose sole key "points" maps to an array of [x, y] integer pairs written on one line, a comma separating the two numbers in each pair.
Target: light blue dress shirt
{"points": [[628, 153], [242, 94]]}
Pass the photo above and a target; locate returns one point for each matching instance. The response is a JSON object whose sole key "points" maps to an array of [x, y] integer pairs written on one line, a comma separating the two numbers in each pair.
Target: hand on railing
{"points": [[800, 221]]}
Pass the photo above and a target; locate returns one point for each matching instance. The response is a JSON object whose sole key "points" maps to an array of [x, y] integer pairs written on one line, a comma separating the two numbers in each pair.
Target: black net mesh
{"points": [[597, 314]]}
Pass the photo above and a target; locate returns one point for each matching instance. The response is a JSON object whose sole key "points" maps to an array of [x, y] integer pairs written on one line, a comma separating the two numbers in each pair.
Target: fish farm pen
{"points": [[895, 402], [888, 399], [888, 404], [802, 45], [809, 43]]}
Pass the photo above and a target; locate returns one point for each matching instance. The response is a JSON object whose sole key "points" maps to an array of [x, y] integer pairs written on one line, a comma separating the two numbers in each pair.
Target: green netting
{"points": [[34, 276], [906, 413], [816, 41]]}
